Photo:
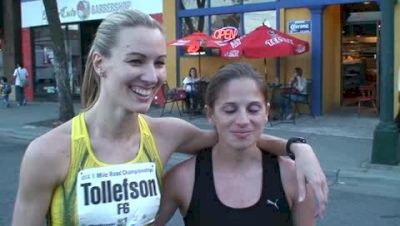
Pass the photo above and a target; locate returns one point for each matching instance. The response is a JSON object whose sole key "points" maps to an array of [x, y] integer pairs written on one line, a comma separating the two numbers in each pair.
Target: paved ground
{"points": [[361, 193]]}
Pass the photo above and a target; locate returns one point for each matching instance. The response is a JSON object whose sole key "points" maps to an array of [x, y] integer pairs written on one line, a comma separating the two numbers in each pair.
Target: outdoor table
{"points": [[201, 87], [197, 96], [279, 93], [274, 94]]}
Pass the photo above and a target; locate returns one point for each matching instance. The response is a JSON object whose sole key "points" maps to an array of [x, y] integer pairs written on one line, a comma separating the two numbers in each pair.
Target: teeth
{"points": [[142, 92]]}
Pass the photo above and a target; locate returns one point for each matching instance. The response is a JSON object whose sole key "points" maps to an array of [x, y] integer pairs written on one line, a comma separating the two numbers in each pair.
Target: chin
{"points": [[141, 108]]}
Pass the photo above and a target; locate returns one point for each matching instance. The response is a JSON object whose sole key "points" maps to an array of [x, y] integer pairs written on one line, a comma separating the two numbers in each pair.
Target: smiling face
{"points": [[135, 69], [239, 113]]}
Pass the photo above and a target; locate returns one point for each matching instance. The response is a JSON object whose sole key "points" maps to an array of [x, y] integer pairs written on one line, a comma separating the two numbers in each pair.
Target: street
{"points": [[349, 203], [11, 152]]}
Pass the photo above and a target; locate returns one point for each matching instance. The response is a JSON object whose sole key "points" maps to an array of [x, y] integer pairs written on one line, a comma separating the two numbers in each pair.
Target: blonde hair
{"points": [[105, 39]]}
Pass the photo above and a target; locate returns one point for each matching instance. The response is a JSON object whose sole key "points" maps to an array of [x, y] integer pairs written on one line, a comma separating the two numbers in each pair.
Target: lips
{"points": [[143, 92], [241, 134]]}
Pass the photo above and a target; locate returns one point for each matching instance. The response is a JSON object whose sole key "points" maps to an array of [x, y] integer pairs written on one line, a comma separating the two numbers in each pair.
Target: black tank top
{"points": [[205, 209]]}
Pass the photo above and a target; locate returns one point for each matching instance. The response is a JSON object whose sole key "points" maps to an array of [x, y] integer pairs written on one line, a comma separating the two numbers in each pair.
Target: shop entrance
{"points": [[78, 38], [359, 50]]}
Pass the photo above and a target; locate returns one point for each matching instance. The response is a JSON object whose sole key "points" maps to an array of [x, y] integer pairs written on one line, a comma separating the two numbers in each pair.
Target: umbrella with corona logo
{"points": [[264, 42], [194, 42]]}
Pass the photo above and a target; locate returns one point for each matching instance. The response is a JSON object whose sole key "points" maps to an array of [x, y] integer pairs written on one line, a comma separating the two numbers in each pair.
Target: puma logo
{"points": [[275, 204]]}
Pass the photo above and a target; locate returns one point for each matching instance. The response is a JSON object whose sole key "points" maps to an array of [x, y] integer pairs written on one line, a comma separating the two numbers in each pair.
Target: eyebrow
{"points": [[142, 55]]}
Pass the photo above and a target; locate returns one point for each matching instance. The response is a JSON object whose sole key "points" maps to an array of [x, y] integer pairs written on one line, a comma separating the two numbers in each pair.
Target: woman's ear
{"points": [[210, 114], [98, 64]]}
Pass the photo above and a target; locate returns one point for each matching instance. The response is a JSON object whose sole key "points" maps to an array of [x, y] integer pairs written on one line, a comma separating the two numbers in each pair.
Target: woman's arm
{"points": [[38, 178], [169, 203], [177, 191], [302, 212], [174, 134], [301, 84], [307, 168]]}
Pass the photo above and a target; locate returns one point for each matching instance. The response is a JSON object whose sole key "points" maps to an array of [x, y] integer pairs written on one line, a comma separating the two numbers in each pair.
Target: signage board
{"points": [[33, 12], [299, 26]]}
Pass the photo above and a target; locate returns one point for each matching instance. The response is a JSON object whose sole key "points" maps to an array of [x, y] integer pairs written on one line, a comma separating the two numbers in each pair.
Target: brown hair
{"points": [[298, 71], [105, 39], [231, 72], [195, 72]]}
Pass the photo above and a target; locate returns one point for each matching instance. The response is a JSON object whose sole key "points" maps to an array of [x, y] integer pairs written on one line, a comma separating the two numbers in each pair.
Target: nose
{"points": [[242, 118], [150, 74]]}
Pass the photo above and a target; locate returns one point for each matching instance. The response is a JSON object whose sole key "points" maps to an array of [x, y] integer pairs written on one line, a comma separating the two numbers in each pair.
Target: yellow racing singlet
{"points": [[96, 193]]}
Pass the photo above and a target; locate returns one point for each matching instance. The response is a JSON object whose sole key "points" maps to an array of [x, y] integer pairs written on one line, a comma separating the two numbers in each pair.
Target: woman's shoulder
{"points": [[51, 152], [53, 144]]}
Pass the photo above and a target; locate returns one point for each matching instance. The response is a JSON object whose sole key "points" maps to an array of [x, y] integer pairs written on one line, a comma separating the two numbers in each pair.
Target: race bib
{"points": [[118, 195]]}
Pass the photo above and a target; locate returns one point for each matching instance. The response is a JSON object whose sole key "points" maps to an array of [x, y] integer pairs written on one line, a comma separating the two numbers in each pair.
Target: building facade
{"points": [[344, 36]]}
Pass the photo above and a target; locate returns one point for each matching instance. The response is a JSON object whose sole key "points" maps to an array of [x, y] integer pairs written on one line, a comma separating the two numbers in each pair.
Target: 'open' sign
{"points": [[225, 33]]}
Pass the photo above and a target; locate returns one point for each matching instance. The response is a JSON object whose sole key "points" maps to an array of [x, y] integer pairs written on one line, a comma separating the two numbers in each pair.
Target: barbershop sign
{"points": [[82, 10], [299, 26]]}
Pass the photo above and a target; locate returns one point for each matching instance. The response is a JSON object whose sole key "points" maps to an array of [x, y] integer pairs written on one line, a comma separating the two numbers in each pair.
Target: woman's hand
{"points": [[309, 170]]}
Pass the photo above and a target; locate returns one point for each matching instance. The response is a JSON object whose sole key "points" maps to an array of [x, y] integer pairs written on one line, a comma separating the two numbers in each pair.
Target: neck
{"points": [[227, 157], [111, 122]]}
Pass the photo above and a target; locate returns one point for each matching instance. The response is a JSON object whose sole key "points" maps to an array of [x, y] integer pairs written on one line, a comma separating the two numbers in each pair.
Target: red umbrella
{"points": [[195, 42], [264, 42]]}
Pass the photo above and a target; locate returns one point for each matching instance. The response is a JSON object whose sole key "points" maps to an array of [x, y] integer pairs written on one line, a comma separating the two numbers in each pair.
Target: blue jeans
{"points": [[6, 103], [287, 100], [19, 94]]}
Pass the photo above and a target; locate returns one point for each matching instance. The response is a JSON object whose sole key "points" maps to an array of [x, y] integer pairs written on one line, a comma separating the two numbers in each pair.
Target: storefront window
{"points": [[194, 4], [44, 79], [216, 3], [255, 19], [226, 20], [44, 75], [197, 4], [74, 58], [192, 24], [257, 1]]}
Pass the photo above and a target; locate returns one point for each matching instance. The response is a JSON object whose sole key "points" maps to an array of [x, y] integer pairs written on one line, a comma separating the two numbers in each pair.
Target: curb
{"points": [[25, 132]]}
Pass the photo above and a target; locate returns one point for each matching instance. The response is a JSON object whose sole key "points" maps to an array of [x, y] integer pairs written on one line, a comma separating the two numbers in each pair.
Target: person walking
{"points": [[21, 80], [104, 166]]}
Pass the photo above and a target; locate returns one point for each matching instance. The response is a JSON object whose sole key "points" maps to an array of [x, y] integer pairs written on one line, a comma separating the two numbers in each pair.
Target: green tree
{"points": [[66, 107]]}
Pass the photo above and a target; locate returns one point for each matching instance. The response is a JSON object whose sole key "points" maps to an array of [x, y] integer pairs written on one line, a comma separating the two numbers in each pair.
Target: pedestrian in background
{"points": [[21, 81], [104, 166], [5, 90]]}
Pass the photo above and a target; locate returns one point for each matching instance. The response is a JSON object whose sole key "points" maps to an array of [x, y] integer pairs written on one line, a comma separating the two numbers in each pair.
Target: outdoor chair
{"points": [[172, 96], [367, 95], [277, 94], [200, 87], [306, 100]]}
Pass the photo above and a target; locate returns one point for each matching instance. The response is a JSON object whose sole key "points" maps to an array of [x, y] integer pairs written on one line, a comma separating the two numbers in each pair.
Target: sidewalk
{"points": [[341, 140]]}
